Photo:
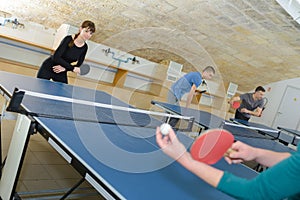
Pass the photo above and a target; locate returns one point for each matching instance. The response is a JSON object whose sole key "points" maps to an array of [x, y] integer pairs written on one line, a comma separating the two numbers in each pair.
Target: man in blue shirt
{"points": [[188, 84]]}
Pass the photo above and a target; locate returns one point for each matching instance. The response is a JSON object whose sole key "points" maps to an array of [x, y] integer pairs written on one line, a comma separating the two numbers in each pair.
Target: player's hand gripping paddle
{"points": [[84, 69], [212, 145], [236, 104]]}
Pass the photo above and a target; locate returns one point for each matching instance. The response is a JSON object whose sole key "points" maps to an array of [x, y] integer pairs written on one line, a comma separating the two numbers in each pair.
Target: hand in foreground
{"points": [[170, 144], [58, 69], [240, 152]]}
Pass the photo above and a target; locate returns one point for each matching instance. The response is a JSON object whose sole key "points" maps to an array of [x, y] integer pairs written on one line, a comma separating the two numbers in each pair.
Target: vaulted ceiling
{"points": [[251, 42]]}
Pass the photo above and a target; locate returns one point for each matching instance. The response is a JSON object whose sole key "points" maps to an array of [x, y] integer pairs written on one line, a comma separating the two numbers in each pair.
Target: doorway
{"points": [[288, 113]]}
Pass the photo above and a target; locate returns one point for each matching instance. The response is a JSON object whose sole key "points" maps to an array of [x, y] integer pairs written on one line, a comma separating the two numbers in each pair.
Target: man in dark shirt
{"points": [[251, 104]]}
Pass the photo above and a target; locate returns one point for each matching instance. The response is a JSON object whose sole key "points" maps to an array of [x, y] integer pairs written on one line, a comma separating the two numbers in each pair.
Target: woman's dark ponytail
{"points": [[71, 43]]}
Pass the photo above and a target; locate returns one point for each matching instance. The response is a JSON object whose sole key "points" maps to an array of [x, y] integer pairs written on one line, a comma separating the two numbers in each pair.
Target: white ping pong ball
{"points": [[165, 128]]}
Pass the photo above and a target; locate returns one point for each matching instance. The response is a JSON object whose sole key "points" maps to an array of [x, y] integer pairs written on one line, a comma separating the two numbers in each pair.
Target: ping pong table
{"points": [[261, 137], [119, 161], [289, 136], [261, 128], [256, 139], [202, 118]]}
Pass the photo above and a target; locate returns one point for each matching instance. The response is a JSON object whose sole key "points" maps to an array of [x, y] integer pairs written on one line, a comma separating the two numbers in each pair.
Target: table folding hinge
{"points": [[33, 128]]}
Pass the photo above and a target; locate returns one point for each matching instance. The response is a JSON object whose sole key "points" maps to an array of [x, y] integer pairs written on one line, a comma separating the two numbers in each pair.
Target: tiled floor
{"points": [[45, 170]]}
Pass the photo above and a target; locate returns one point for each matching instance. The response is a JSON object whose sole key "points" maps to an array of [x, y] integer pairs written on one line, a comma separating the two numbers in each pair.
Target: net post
{"points": [[15, 102], [190, 124]]}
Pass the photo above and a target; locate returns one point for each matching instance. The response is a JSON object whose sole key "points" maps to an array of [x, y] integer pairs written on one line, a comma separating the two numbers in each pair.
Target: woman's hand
{"points": [[58, 69], [240, 152], [170, 144], [76, 70]]}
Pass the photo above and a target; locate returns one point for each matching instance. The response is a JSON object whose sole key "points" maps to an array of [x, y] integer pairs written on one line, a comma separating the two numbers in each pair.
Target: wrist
{"points": [[256, 154], [185, 159]]}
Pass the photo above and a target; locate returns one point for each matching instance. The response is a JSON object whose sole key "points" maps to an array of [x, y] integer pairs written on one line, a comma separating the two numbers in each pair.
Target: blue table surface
{"points": [[10, 81], [126, 158]]}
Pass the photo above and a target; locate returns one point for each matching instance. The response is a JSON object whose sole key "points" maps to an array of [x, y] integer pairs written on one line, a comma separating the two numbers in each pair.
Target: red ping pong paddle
{"points": [[212, 145], [236, 104]]}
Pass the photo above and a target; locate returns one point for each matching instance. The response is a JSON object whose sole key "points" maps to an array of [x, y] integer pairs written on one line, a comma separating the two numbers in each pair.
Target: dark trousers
{"points": [[172, 99], [239, 115]]}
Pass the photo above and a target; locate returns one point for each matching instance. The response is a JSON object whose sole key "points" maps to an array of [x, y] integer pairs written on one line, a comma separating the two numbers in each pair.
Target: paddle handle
{"points": [[229, 151]]}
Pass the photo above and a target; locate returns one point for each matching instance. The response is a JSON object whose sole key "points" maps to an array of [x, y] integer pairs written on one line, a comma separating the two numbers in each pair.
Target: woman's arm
{"points": [[277, 182], [82, 56], [243, 152], [207, 173], [80, 60], [270, 158], [57, 56], [176, 150], [284, 177]]}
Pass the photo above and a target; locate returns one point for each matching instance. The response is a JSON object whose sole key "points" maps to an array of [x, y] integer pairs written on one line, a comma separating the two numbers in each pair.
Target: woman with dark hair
{"points": [[69, 55]]}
